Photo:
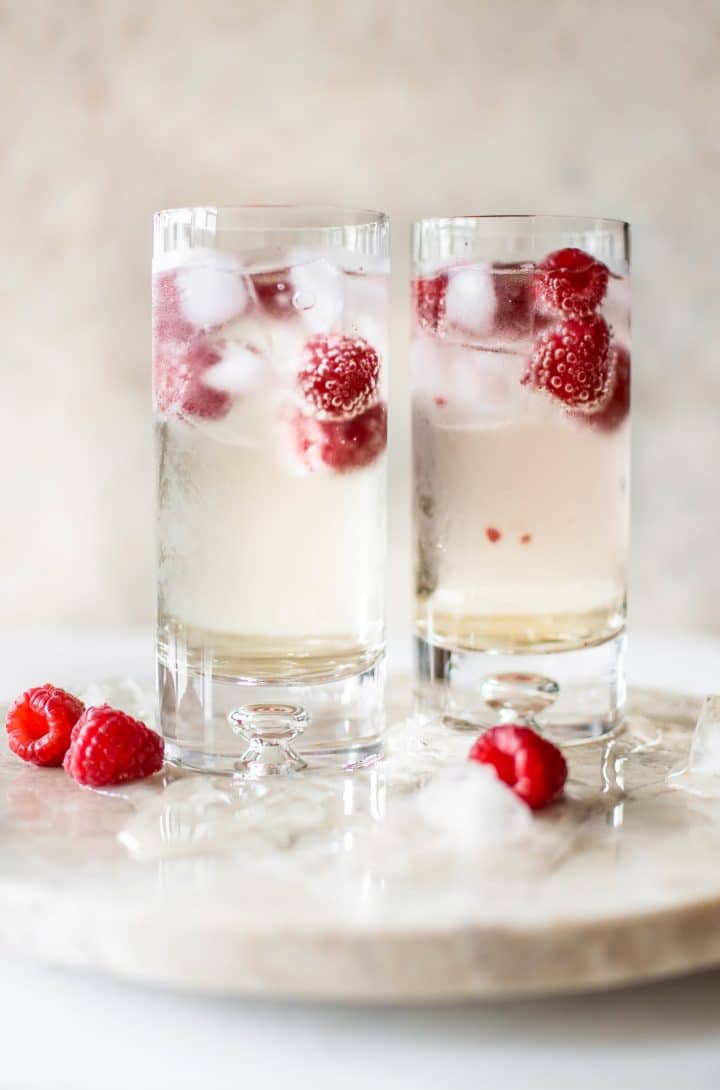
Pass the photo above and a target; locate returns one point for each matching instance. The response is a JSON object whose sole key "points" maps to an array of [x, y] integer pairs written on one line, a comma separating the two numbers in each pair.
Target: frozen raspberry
{"points": [[571, 361], [274, 291], [570, 282], [40, 722], [339, 375], [178, 381], [534, 768], [428, 295], [108, 746], [341, 445], [617, 406]]}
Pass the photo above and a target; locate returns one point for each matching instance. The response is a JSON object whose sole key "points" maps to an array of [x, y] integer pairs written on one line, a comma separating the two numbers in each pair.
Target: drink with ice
{"points": [[269, 364], [521, 362]]}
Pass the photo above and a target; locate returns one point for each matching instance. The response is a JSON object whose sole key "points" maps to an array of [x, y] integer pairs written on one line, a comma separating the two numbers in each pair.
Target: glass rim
{"points": [[598, 222], [338, 216]]}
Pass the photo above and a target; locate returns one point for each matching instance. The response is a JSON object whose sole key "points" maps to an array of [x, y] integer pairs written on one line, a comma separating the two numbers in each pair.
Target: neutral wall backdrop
{"points": [[112, 109]]}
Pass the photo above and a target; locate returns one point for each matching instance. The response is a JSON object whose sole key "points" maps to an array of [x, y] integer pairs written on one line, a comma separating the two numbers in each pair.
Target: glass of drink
{"points": [[521, 399], [269, 377]]}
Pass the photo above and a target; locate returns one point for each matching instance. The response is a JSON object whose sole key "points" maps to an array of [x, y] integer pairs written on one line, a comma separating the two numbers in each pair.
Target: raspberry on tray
{"points": [[39, 724], [534, 768], [108, 747]]}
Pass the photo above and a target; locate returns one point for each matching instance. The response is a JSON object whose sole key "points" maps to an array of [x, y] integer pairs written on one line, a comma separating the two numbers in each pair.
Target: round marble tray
{"points": [[396, 883]]}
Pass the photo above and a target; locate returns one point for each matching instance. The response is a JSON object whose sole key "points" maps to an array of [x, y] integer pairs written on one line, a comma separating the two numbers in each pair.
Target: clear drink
{"points": [[521, 387], [269, 352]]}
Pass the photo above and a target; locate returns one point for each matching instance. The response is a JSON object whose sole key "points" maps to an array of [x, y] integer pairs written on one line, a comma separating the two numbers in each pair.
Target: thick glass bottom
{"points": [[570, 696], [337, 723]]}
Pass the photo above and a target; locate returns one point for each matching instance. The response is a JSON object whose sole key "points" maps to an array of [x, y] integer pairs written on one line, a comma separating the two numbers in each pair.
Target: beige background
{"points": [[110, 110]]}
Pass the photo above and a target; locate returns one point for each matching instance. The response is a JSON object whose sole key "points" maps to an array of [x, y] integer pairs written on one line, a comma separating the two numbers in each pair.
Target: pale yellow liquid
{"points": [[265, 572], [535, 473]]}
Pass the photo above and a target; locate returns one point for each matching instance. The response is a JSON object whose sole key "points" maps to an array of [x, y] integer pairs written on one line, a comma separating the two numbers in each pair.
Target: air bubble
{"points": [[303, 300]]}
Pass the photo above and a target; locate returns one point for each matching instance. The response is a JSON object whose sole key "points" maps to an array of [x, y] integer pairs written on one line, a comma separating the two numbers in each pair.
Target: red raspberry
{"points": [[428, 295], [571, 362], [40, 722], [570, 282], [181, 355], [341, 445], [108, 746], [534, 768], [617, 406], [178, 381], [339, 375], [274, 292]]}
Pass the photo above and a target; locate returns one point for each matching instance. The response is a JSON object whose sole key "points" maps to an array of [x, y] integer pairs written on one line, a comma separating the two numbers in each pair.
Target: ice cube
{"points": [[239, 371], [470, 302], [318, 295], [211, 294], [466, 387], [469, 803], [705, 744], [366, 309], [352, 261]]}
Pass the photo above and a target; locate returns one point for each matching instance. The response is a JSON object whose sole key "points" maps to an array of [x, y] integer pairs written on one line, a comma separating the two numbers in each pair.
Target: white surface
{"points": [[63, 1031]]}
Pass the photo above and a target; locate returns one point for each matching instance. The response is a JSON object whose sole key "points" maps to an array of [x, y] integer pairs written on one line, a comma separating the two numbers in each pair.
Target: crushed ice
{"points": [[468, 802], [701, 775]]}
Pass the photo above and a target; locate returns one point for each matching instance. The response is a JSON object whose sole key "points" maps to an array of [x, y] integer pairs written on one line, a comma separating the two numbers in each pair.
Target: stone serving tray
{"points": [[356, 887]]}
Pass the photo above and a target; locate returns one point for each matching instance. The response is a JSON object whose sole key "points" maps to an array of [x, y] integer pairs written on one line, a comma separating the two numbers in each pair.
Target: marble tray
{"points": [[357, 888]]}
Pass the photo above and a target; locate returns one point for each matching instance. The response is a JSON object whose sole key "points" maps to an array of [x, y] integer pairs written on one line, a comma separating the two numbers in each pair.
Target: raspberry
{"points": [[428, 295], [492, 535], [617, 406], [40, 722], [534, 768], [341, 445], [181, 355], [108, 746], [570, 282], [274, 292], [571, 362], [178, 381], [339, 375]]}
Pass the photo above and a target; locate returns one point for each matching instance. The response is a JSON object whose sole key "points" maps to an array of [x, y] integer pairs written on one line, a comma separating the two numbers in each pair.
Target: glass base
{"points": [[244, 728], [568, 696]]}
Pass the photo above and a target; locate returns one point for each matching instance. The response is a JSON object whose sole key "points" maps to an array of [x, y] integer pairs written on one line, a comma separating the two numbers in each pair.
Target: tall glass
{"points": [[269, 367], [521, 399]]}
